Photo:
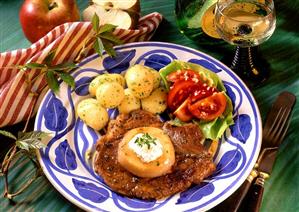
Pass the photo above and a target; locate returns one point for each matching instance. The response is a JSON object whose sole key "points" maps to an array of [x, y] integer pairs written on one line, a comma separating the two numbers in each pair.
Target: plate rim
{"points": [[219, 198]]}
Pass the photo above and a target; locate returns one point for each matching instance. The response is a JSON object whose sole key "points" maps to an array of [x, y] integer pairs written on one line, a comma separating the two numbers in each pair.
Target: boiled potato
{"points": [[157, 78], [129, 160], [156, 102], [92, 113], [99, 80], [110, 94], [129, 103], [140, 80]]}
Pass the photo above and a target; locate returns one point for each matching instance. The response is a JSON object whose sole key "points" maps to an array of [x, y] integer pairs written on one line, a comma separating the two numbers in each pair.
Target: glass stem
{"points": [[247, 66]]}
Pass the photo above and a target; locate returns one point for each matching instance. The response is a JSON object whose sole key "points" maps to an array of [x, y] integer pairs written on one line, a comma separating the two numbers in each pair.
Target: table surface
{"points": [[281, 50]]}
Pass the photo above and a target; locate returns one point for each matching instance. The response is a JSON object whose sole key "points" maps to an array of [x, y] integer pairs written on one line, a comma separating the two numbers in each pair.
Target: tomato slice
{"points": [[186, 74], [203, 92], [209, 108], [179, 92], [182, 112], [183, 89]]}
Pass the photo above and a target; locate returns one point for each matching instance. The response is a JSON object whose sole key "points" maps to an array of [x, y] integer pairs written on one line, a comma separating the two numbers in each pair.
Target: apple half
{"points": [[123, 14]]}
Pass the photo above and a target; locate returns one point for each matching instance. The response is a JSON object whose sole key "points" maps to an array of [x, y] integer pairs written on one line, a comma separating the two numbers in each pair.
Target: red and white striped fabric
{"points": [[17, 86]]}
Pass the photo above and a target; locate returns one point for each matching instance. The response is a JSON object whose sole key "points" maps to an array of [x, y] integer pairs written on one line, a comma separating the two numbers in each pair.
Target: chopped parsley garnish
{"points": [[145, 139]]}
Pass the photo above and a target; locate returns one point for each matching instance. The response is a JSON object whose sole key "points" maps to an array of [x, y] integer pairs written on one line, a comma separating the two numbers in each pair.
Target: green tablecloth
{"points": [[281, 51]]}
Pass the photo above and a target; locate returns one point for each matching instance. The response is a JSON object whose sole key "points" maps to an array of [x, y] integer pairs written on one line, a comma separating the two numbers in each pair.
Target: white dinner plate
{"points": [[65, 159]]}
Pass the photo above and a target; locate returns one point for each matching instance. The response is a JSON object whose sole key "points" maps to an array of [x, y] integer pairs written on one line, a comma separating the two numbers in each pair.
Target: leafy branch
{"points": [[102, 39], [26, 143], [52, 72]]}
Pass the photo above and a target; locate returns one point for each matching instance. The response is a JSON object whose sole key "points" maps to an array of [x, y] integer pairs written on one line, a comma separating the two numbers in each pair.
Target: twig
{"points": [[26, 185], [30, 114], [7, 161], [5, 170]]}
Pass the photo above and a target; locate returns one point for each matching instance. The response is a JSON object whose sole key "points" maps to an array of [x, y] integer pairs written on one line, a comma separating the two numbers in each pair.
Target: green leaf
{"points": [[34, 65], [95, 22], [211, 78], [68, 79], [107, 28], [98, 46], [109, 48], [63, 66], [8, 134], [49, 57], [31, 140], [52, 81], [112, 38]]}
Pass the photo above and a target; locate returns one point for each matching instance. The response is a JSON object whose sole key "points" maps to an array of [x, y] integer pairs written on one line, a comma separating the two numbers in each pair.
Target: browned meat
{"points": [[185, 139], [124, 122], [188, 168]]}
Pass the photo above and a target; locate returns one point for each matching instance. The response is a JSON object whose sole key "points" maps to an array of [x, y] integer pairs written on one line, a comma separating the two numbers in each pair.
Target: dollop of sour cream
{"points": [[146, 152]]}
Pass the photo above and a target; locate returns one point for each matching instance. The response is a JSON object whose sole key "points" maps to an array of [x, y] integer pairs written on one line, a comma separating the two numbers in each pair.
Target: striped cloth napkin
{"points": [[21, 90]]}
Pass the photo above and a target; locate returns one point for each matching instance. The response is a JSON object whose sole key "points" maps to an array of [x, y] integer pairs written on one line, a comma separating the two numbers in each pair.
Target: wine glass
{"points": [[246, 24]]}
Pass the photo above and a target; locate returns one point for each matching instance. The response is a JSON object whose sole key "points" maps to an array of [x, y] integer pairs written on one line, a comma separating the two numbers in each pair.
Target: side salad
{"points": [[196, 94]]}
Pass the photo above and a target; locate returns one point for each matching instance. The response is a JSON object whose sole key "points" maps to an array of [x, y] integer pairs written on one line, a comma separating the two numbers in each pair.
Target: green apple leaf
{"points": [[7, 134], [49, 58], [52, 81], [31, 140], [112, 38], [68, 79], [98, 46], [108, 46], [63, 66], [95, 23], [107, 28], [33, 65]]}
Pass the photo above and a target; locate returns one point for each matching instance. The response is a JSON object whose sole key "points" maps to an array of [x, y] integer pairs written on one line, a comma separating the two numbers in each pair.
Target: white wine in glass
{"points": [[246, 23]]}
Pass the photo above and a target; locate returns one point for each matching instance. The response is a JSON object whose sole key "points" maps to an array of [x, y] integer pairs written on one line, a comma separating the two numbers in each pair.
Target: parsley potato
{"points": [[157, 78], [140, 81], [92, 113], [155, 103], [129, 103], [103, 78], [110, 94]]}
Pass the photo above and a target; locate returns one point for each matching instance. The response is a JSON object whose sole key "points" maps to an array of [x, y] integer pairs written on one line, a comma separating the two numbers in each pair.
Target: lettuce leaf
{"points": [[213, 129], [208, 76]]}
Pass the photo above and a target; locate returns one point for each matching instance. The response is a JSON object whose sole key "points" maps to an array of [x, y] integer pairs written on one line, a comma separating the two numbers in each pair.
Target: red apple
{"points": [[38, 17]]}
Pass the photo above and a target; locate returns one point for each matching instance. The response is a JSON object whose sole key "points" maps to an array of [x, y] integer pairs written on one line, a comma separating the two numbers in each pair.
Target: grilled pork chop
{"points": [[192, 164]]}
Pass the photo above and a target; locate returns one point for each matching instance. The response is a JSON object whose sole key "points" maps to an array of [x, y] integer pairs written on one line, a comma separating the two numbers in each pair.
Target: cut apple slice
{"points": [[112, 15], [129, 5]]}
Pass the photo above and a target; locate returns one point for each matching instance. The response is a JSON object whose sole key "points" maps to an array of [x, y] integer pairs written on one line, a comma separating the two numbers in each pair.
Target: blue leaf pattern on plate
{"points": [[196, 193], [228, 162], [65, 157], [55, 115], [134, 203], [231, 94], [90, 191], [157, 61], [81, 189], [81, 87], [113, 113], [120, 62], [205, 64], [242, 128]]}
